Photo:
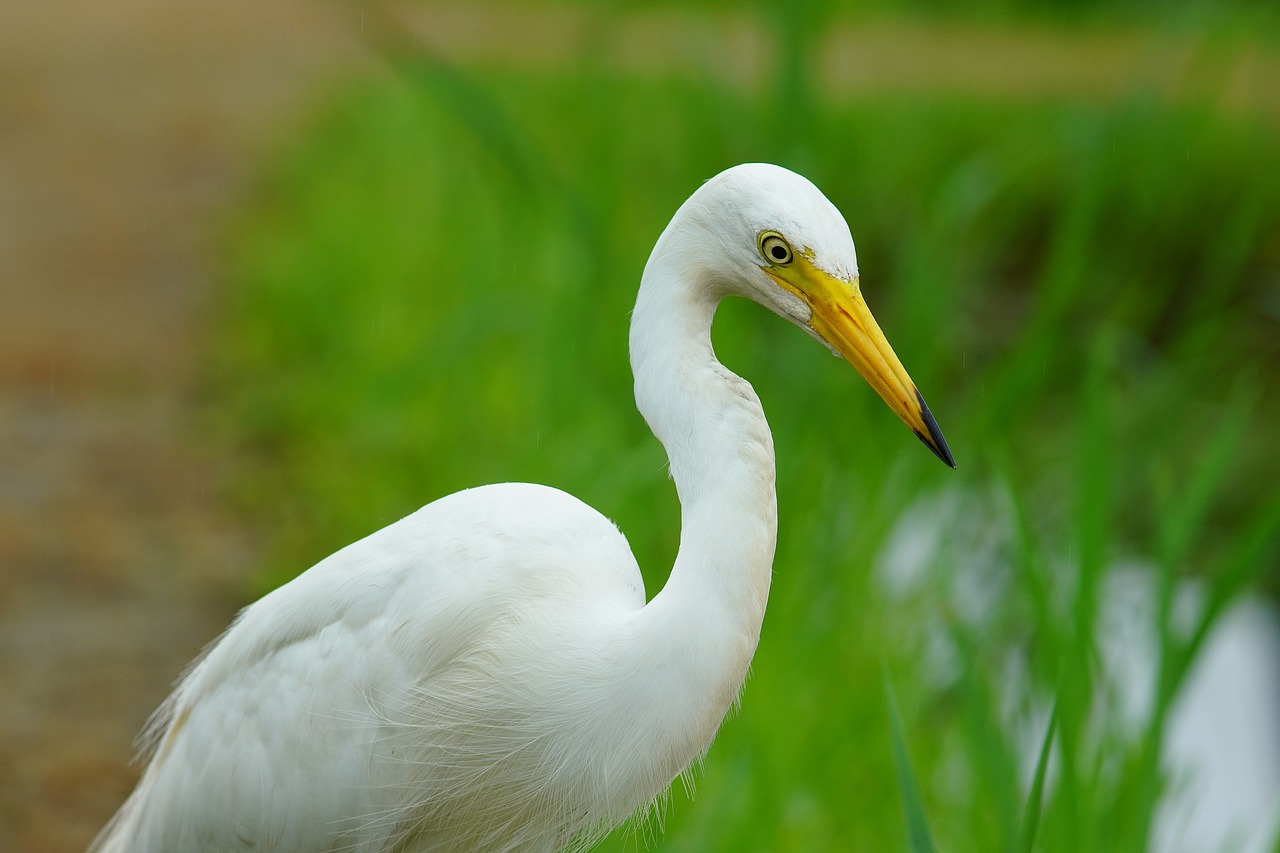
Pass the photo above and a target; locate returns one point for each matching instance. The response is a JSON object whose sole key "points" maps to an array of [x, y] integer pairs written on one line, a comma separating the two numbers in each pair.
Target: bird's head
{"points": [[770, 235]]}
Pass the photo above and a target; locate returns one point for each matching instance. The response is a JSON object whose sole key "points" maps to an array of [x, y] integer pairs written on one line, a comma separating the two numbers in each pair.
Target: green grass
{"points": [[429, 289], [919, 836]]}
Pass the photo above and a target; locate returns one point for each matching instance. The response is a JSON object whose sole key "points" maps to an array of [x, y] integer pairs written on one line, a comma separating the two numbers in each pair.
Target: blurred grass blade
{"points": [[454, 88], [1183, 520], [991, 752], [918, 835], [1245, 562], [1031, 816], [1238, 567]]}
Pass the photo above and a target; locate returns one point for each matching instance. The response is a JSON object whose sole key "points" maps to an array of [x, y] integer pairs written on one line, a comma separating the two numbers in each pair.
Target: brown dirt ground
{"points": [[126, 130]]}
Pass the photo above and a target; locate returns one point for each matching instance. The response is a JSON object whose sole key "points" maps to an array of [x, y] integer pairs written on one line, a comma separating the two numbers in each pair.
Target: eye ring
{"points": [[775, 249]]}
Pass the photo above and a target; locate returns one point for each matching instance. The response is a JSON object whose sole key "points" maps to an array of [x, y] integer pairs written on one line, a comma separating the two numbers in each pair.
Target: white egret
{"points": [[486, 674]]}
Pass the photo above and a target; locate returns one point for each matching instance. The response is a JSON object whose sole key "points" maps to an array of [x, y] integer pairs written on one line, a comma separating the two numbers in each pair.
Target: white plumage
{"points": [[486, 674]]}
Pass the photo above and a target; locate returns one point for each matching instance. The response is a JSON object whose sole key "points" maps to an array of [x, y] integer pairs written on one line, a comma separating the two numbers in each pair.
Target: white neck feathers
{"points": [[721, 458]]}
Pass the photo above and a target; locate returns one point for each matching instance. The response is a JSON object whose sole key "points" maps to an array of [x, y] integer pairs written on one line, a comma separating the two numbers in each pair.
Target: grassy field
{"points": [[429, 289]]}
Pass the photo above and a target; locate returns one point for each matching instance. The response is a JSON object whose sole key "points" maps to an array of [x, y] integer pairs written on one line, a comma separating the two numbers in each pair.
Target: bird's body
{"points": [[486, 674], [372, 688]]}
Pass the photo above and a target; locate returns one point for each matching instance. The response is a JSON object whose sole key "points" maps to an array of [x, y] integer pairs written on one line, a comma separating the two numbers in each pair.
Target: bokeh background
{"points": [[274, 275]]}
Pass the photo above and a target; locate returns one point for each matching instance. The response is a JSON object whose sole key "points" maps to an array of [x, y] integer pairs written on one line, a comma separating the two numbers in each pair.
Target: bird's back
{"points": [[397, 695]]}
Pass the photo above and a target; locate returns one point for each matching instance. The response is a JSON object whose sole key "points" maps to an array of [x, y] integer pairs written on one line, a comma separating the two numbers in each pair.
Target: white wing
{"points": [[381, 697]]}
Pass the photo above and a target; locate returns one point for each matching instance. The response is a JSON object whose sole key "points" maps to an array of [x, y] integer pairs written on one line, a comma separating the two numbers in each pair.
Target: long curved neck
{"points": [[721, 458]]}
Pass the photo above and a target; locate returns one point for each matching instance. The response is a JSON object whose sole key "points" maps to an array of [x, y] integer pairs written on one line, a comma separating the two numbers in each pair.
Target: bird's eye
{"points": [[775, 249]]}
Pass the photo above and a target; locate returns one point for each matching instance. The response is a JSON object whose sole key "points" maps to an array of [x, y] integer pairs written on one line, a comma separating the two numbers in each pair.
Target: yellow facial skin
{"points": [[841, 317]]}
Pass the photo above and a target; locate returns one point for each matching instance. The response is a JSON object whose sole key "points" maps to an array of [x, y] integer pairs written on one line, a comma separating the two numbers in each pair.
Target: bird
{"points": [[487, 674]]}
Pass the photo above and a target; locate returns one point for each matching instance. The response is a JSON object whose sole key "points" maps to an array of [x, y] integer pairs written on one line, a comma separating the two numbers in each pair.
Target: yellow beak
{"points": [[841, 318]]}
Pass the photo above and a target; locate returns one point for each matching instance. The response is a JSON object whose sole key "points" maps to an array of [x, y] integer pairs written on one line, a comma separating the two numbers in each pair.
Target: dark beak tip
{"points": [[934, 440], [944, 453]]}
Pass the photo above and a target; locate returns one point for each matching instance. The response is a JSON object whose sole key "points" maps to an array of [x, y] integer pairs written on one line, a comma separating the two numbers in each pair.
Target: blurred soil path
{"points": [[887, 56], [126, 128], [126, 131]]}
